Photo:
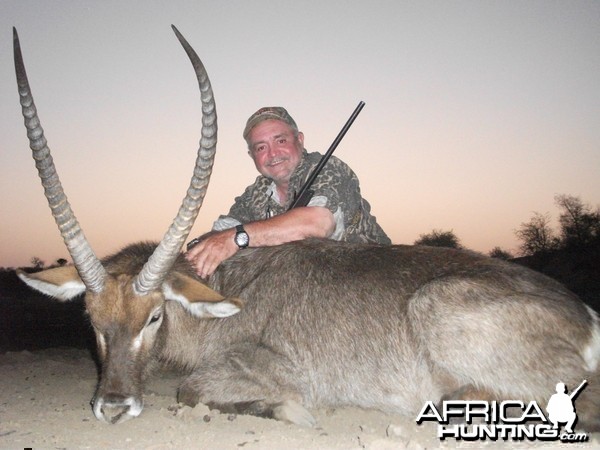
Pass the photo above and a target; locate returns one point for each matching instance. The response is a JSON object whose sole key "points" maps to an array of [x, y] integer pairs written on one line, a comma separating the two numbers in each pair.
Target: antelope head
{"points": [[125, 301]]}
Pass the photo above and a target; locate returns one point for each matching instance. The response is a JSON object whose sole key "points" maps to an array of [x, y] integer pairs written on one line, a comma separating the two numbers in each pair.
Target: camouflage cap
{"points": [[267, 113]]}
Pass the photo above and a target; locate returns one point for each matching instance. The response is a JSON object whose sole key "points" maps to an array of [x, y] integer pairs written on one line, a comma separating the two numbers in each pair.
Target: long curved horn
{"points": [[88, 265], [161, 261]]}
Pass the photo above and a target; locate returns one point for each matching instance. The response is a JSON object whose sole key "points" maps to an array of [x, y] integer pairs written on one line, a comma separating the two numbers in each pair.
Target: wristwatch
{"points": [[241, 237]]}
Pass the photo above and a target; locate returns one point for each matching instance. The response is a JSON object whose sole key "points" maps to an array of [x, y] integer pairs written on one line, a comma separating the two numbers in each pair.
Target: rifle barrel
{"points": [[329, 152], [576, 391]]}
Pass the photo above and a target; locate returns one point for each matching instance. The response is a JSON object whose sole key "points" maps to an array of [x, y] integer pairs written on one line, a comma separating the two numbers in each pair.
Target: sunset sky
{"points": [[477, 112]]}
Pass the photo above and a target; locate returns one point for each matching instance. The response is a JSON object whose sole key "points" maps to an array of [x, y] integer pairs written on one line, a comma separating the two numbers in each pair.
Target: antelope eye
{"points": [[155, 317]]}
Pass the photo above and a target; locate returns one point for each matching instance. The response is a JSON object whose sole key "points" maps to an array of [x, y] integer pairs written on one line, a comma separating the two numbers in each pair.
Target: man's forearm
{"points": [[299, 223], [296, 224]]}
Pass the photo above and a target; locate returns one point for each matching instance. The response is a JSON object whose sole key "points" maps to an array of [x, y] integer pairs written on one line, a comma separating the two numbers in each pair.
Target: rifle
{"points": [[576, 391], [304, 195]]}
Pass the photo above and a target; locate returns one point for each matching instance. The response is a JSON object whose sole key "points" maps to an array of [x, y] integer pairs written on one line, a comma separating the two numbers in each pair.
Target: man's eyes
{"points": [[261, 148]]}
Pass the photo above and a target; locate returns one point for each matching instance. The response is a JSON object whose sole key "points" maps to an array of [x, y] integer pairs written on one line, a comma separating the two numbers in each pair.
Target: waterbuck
{"points": [[316, 323]]}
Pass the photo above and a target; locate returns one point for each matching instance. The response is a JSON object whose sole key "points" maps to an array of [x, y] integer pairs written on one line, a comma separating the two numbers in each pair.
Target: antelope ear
{"points": [[62, 283], [199, 299]]}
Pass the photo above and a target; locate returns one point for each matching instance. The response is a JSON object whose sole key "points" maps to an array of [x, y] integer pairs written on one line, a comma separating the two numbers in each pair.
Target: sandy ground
{"points": [[45, 403]]}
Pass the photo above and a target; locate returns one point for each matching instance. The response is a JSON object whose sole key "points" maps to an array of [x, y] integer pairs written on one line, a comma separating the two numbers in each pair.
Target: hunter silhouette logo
{"points": [[516, 420], [560, 406]]}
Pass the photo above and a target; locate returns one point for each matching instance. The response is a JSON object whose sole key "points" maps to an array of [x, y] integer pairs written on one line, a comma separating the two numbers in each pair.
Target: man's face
{"points": [[275, 150]]}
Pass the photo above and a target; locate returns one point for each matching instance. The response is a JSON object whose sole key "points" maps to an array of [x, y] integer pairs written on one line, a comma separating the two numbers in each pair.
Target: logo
{"points": [[472, 420]]}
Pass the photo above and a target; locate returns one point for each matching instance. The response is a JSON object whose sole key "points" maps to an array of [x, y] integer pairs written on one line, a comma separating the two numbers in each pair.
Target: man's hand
{"points": [[212, 250]]}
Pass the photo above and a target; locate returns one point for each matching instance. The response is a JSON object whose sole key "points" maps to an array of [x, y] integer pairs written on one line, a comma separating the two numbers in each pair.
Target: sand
{"points": [[45, 403]]}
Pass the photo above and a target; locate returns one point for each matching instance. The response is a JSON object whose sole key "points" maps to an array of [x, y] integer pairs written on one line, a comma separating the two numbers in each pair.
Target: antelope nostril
{"points": [[117, 408]]}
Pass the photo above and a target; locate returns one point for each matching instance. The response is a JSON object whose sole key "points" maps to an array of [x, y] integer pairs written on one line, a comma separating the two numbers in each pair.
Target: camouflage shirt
{"points": [[336, 188]]}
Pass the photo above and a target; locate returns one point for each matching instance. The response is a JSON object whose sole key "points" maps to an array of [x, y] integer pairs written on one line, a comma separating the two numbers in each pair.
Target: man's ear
{"points": [[62, 283], [199, 299]]}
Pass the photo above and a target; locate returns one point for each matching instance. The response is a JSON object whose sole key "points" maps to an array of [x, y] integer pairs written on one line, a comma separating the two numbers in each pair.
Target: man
{"points": [[260, 216]]}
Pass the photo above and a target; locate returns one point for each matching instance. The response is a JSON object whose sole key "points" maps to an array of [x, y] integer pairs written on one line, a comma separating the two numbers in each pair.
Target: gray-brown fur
{"points": [[387, 327]]}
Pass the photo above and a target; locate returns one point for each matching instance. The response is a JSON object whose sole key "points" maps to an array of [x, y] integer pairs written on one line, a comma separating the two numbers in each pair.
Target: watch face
{"points": [[242, 239]]}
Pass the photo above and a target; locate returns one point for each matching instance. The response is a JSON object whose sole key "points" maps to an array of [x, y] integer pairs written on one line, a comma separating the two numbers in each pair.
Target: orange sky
{"points": [[477, 113]]}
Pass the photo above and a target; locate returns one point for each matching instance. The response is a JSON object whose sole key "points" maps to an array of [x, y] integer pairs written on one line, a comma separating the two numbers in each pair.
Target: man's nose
{"points": [[271, 151]]}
